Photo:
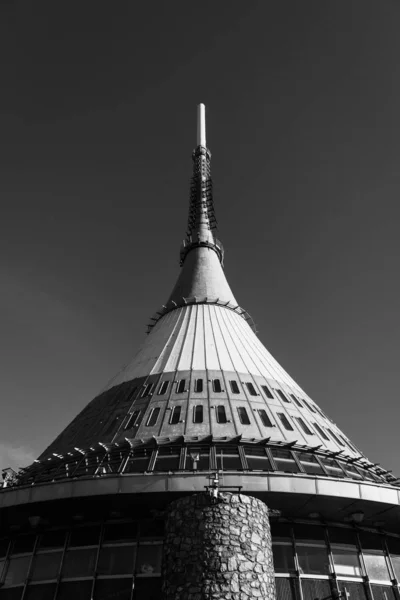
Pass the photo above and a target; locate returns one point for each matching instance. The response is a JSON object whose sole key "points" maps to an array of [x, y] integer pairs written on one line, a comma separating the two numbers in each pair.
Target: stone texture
{"points": [[214, 548]]}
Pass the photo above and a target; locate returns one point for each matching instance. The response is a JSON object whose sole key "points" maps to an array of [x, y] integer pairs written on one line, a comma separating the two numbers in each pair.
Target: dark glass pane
{"points": [[342, 535], [315, 588], [79, 563], [23, 543], [310, 463], [11, 594], [152, 420], [335, 437], [284, 460], [297, 401], [120, 532], [346, 561], [321, 432], [267, 391], [132, 419], [116, 560], [198, 457], [75, 590], [309, 406], [17, 570], [147, 589], [285, 421], [370, 541], [175, 415], [40, 592], [52, 539], [46, 566], [257, 459], [167, 459], [234, 387], [313, 560], [281, 531], [303, 426], [149, 559], [356, 590], [151, 528], [382, 592], [115, 589], [332, 466], [283, 558], [287, 588], [217, 386], [198, 414], [228, 458], [139, 460], [265, 420], [352, 471], [243, 416], [4, 543], [251, 389], [84, 536], [163, 388], [283, 397], [198, 386], [180, 388], [221, 414]]}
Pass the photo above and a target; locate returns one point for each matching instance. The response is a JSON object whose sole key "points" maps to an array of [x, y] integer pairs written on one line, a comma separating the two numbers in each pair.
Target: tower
{"points": [[202, 470]]}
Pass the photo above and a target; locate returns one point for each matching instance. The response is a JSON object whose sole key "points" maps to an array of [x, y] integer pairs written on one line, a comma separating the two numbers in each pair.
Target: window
{"points": [[167, 459], [147, 390], [198, 458], [79, 563], [346, 561], [132, 419], [304, 426], [17, 570], [310, 406], [221, 414], [243, 416], [284, 460], [257, 459], [149, 559], [175, 415], [198, 386], [285, 422], [139, 459], [180, 386], [153, 416], [198, 413], [251, 389], [332, 466], [265, 420], [163, 388], [228, 458], [335, 437], [217, 386], [283, 558], [234, 387], [313, 559], [267, 391], [352, 471], [310, 463], [46, 566], [84, 536], [116, 560], [297, 401], [282, 395], [321, 432]]}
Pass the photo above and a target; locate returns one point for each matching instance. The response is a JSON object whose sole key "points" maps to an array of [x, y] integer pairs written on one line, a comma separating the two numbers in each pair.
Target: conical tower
{"points": [[203, 406]]}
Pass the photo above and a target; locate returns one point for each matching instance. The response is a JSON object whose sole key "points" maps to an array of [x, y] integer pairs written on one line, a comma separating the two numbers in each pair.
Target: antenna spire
{"points": [[201, 125]]}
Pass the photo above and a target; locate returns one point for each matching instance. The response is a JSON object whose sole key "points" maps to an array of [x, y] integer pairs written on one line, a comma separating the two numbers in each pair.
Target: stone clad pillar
{"points": [[218, 548]]}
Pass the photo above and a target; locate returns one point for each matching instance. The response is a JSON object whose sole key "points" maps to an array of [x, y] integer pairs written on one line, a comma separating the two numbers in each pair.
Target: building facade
{"points": [[202, 470]]}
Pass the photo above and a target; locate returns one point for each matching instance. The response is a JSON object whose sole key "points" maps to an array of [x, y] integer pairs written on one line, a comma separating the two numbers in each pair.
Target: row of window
{"points": [[221, 417], [182, 387]]}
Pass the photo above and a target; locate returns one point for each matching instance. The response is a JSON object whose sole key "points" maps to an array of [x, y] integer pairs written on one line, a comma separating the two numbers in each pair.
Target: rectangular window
{"points": [[346, 561], [228, 458], [284, 460], [147, 390], [198, 386], [197, 458], [257, 459], [234, 387], [251, 389], [265, 420], [285, 422], [332, 466], [310, 463], [167, 459], [175, 415], [282, 395], [221, 414], [153, 416], [310, 406], [132, 419], [283, 561], [267, 391], [313, 559], [180, 386], [243, 416], [163, 388], [335, 437], [217, 386], [297, 401], [321, 432], [139, 460], [303, 426], [198, 414]]}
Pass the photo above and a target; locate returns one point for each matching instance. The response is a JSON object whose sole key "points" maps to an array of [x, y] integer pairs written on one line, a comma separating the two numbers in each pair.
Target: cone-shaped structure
{"points": [[203, 404]]}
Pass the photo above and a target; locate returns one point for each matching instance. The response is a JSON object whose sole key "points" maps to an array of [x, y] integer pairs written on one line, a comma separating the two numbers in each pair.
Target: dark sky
{"points": [[98, 121]]}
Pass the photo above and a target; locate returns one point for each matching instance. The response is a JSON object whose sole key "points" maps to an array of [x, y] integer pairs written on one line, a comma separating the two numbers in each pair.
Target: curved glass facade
{"points": [[122, 559]]}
